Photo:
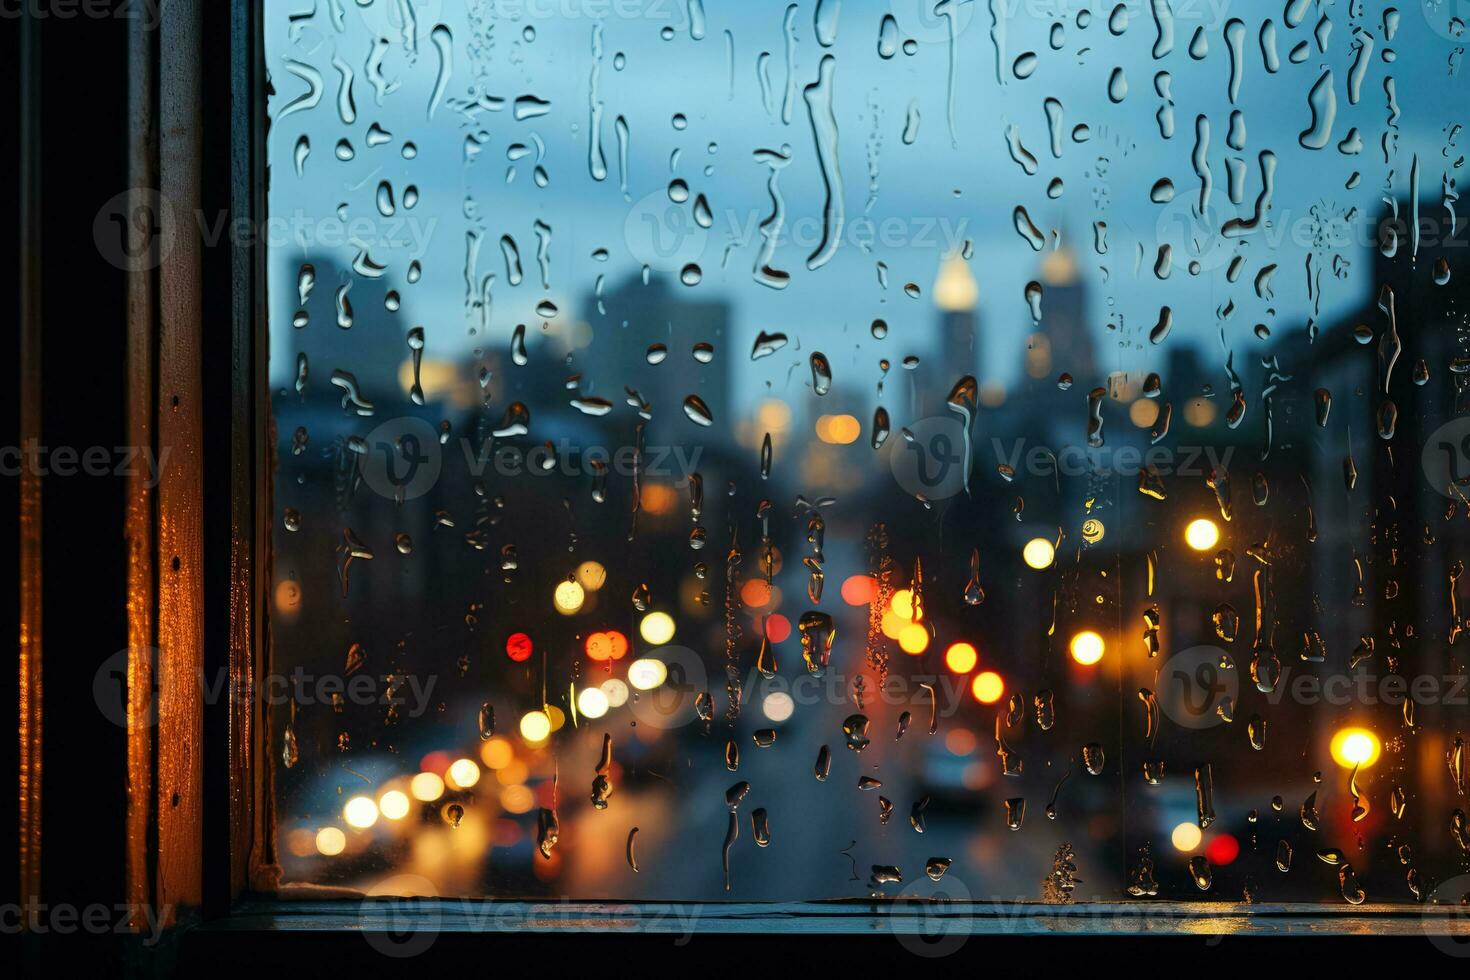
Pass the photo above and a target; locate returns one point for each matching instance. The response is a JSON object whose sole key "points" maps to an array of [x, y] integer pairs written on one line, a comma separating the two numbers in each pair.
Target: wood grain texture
{"points": [[138, 526], [179, 497], [29, 722], [252, 445]]}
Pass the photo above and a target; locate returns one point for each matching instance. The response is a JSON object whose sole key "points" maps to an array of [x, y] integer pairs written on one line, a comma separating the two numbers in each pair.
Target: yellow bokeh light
{"points": [[955, 288], [535, 726], [961, 657], [516, 772], [903, 604], [893, 623], [987, 687], [838, 430], [569, 597], [913, 639], [330, 841], [591, 575], [1186, 837], [426, 786], [647, 674], [463, 774], [1087, 648], [615, 691], [1143, 412], [657, 628], [773, 416], [778, 706], [517, 799], [497, 753], [591, 702], [1202, 534], [1199, 412], [1355, 748], [1038, 553], [360, 812], [393, 804]]}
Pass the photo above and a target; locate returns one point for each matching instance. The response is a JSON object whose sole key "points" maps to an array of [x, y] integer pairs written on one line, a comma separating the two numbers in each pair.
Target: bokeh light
{"points": [[1038, 553], [987, 687], [961, 657], [606, 645], [1223, 850], [592, 703], [591, 576], [657, 628], [426, 786], [1355, 748], [535, 726], [778, 706], [859, 590], [568, 598], [1202, 534], [1186, 836], [330, 841], [462, 774], [497, 753], [903, 604], [1087, 648], [518, 647], [360, 812], [913, 639], [647, 674], [393, 804]]}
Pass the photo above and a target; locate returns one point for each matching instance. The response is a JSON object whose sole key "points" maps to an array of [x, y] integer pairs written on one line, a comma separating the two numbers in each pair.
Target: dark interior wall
{"points": [[79, 113]]}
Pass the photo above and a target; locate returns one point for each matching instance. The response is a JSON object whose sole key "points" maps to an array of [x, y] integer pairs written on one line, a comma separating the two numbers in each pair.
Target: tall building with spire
{"points": [[1064, 319], [956, 294]]}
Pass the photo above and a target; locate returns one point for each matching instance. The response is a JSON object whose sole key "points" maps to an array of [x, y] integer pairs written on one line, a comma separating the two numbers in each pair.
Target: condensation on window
{"points": [[775, 452]]}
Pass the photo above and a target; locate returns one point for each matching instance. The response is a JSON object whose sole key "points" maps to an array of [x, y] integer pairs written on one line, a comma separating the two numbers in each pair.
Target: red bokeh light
{"points": [[778, 628], [518, 647], [1222, 850]]}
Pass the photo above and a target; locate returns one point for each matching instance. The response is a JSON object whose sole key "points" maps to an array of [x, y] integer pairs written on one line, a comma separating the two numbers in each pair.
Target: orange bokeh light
{"points": [[859, 590], [608, 645], [961, 657], [987, 687], [755, 593]]}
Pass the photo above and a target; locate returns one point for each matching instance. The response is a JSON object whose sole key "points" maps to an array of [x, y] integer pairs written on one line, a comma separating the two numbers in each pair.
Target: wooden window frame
{"points": [[201, 843]]}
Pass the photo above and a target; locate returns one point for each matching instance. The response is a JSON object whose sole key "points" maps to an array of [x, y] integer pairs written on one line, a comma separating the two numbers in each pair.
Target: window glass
{"points": [[777, 452]]}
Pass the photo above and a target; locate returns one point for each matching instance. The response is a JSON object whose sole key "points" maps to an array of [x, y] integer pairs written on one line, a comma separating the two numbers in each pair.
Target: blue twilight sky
{"points": [[905, 204]]}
